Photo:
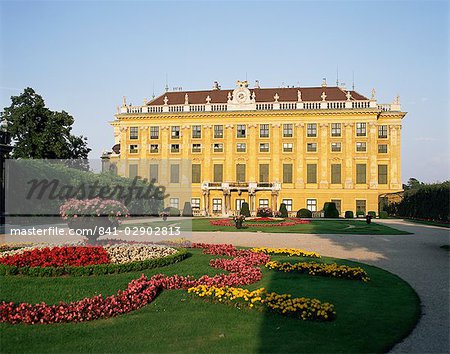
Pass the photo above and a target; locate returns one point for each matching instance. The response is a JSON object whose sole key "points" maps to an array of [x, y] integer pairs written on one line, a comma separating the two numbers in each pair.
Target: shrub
{"points": [[372, 214], [172, 211], [304, 213], [330, 210], [245, 210], [187, 209], [349, 214], [264, 212], [283, 210], [383, 214], [359, 213]]}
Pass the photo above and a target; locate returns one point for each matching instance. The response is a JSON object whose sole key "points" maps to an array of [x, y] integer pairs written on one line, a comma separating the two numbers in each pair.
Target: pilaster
{"points": [[323, 181], [300, 154], [349, 153]]}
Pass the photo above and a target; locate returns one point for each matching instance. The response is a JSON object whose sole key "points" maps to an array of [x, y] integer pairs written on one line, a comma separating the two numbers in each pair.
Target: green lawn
{"points": [[371, 317], [314, 227], [426, 222]]}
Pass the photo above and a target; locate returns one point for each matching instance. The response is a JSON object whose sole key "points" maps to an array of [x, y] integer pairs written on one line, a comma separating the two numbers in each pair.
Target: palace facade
{"points": [[302, 146]]}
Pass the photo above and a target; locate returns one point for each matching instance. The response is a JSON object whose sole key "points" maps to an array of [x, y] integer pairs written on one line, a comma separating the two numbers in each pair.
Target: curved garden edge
{"points": [[96, 269]]}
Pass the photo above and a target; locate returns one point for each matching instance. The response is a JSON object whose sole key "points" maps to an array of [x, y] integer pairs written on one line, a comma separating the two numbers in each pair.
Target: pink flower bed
{"points": [[260, 222], [243, 270]]}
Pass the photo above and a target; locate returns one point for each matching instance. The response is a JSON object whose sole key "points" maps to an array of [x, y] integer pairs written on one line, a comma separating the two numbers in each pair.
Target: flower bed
{"points": [[86, 260], [260, 299], [286, 251], [260, 222], [327, 270]]}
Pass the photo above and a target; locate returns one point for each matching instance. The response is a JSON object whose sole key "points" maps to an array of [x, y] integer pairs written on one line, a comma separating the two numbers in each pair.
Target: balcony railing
{"points": [[320, 105]]}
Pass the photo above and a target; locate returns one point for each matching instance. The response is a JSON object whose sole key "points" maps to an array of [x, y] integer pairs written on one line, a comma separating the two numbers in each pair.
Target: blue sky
{"points": [[84, 56]]}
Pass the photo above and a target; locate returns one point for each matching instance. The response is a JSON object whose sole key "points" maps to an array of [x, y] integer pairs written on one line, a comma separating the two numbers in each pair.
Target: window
{"points": [[218, 147], [218, 131], [218, 173], [361, 206], [175, 132], [288, 203], [196, 131], [153, 173], [311, 147], [287, 147], [338, 204], [287, 173], [217, 205], [196, 147], [361, 146], [287, 130], [174, 203], [239, 203], [134, 149], [241, 147], [335, 147], [263, 203], [264, 173], [154, 132], [132, 171], [382, 149], [360, 173], [174, 147], [382, 174], [241, 131], [195, 203], [336, 173], [360, 129], [311, 204], [311, 130], [240, 173], [134, 133], [311, 173], [154, 148], [382, 131], [196, 173], [335, 129], [264, 130], [264, 147], [175, 173]]}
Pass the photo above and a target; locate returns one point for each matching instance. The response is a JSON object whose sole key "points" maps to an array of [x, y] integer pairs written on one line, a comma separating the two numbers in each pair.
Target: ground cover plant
{"points": [[363, 310]]}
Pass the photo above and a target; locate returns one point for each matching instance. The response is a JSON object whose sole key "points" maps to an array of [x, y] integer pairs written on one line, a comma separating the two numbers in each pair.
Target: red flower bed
{"points": [[58, 257], [260, 222], [243, 271]]}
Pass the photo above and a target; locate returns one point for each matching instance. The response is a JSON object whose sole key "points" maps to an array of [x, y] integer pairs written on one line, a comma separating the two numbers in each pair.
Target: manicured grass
{"points": [[314, 227], [371, 317]]}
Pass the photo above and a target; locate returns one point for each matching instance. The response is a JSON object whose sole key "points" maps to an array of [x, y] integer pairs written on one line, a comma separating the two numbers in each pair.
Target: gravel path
{"points": [[416, 258]]}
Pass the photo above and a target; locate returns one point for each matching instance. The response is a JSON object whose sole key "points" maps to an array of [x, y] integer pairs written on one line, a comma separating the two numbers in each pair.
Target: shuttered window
{"points": [[382, 174], [311, 171], [175, 173], [264, 173], [336, 173], [287, 173], [196, 173], [218, 173], [240, 173], [154, 171], [360, 173]]}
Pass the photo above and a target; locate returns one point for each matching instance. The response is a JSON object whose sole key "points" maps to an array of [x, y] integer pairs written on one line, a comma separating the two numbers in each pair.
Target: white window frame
{"points": [[288, 203], [311, 204]]}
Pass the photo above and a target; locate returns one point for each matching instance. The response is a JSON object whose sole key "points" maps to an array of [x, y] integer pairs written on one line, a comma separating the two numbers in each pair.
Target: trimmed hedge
{"points": [[349, 214], [97, 269], [245, 210], [172, 211], [304, 213], [359, 213], [383, 214], [187, 209], [372, 214], [330, 210], [283, 210]]}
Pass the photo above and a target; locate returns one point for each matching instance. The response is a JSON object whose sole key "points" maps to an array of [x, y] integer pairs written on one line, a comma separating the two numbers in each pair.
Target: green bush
{"points": [[330, 210], [187, 209], [283, 210], [172, 211], [97, 269], [372, 214], [304, 213], [349, 214], [383, 214], [245, 210], [359, 213]]}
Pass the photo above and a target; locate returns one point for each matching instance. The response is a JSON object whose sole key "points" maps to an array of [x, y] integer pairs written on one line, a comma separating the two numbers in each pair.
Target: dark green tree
{"points": [[283, 210], [39, 133], [245, 210], [187, 209]]}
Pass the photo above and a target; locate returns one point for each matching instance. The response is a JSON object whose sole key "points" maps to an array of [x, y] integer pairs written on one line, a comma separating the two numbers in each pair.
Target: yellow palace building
{"points": [[302, 146]]}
